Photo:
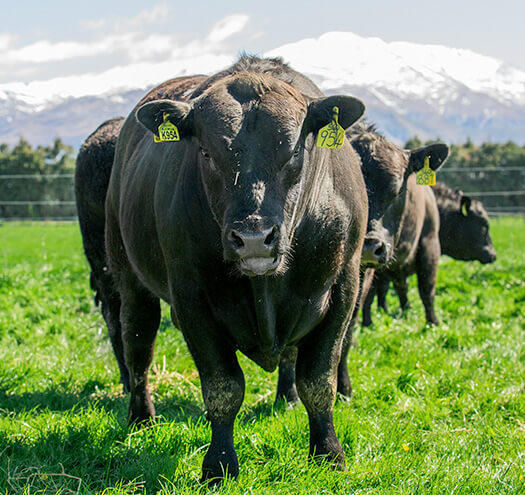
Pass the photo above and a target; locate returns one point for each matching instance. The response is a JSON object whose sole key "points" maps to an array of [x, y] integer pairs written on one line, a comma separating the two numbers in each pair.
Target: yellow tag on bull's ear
{"points": [[331, 136], [167, 131], [426, 176]]}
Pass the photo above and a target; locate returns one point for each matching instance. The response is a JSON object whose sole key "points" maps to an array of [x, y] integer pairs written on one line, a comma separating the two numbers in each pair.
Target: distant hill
{"points": [[409, 89]]}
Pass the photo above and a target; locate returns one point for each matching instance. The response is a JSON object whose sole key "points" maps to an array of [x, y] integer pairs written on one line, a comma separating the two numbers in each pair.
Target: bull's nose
{"points": [[374, 251], [489, 258], [254, 244]]}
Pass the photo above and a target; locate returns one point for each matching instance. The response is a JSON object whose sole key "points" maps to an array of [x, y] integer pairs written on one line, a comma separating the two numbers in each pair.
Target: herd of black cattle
{"points": [[259, 240]]}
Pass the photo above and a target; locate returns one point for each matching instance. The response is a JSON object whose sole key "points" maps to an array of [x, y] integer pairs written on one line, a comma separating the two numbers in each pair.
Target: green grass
{"points": [[436, 410]]}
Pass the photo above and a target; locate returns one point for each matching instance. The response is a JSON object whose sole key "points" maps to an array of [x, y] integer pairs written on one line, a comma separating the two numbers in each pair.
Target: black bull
{"points": [[251, 233]]}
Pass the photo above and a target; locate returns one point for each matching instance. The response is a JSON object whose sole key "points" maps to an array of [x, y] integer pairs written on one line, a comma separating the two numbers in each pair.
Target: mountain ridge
{"points": [[409, 89]]}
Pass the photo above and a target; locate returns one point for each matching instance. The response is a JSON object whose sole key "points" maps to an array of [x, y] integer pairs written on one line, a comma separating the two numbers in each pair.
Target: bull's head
{"points": [[253, 134], [386, 170]]}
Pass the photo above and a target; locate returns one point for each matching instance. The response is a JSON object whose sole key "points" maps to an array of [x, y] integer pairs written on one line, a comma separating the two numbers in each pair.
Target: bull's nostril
{"points": [[380, 250], [236, 239], [270, 238]]}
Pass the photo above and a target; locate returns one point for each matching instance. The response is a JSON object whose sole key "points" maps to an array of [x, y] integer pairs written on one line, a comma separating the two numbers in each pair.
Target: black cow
{"points": [[464, 226], [249, 231], [463, 235]]}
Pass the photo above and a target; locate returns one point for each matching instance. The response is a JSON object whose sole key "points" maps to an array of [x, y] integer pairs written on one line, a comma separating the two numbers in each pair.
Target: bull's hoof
{"points": [[141, 414], [219, 465], [344, 386], [289, 397], [126, 389], [367, 322], [336, 460], [345, 396]]}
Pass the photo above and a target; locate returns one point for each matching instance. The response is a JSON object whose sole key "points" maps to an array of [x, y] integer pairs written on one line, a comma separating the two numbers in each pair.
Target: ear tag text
{"points": [[426, 176], [167, 131], [331, 136]]}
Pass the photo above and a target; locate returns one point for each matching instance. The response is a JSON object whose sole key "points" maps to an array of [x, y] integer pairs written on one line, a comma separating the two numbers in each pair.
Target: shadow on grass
{"points": [[86, 452], [62, 397], [81, 456]]}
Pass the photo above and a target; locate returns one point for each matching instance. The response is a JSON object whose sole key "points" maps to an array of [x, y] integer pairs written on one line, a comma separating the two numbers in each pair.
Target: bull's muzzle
{"points": [[256, 251], [375, 252]]}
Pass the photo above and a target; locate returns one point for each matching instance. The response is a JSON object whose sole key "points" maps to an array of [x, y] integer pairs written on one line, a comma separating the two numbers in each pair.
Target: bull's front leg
{"points": [[222, 383], [427, 259], [318, 358]]}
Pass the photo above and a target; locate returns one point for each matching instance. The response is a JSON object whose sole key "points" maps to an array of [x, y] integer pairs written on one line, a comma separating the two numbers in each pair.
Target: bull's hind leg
{"points": [[110, 302], [344, 385], [367, 306], [140, 318], [286, 389]]}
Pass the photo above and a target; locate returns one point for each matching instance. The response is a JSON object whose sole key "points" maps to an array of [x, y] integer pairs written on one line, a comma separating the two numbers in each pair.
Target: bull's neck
{"points": [[310, 186]]}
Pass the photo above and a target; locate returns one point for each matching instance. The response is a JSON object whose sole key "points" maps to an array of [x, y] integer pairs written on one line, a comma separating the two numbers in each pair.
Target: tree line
{"points": [[475, 164], [474, 161]]}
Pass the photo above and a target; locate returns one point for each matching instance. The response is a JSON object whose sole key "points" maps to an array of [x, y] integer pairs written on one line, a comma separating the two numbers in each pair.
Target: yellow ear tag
{"points": [[167, 131], [331, 136], [426, 176]]}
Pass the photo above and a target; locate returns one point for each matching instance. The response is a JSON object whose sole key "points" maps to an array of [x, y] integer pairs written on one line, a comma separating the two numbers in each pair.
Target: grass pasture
{"points": [[436, 410]]}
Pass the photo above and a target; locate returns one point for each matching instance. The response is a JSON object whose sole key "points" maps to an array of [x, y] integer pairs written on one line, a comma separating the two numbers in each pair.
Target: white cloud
{"points": [[227, 27], [143, 58], [133, 76], [46, 51], [5, 41], [154, 15]]}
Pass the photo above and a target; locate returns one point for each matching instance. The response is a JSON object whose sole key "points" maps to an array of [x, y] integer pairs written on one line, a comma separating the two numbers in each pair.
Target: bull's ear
{"points": [[151, 115], [464, 205], [320, 111], [437, 154]]}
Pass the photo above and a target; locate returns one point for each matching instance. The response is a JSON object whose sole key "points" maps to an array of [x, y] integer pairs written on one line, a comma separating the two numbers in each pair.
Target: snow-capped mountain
{"points": [[409, 89]]}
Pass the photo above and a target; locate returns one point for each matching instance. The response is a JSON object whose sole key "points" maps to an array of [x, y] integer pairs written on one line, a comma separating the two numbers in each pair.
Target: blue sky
{"points": [[46, 40], [489, 27]]}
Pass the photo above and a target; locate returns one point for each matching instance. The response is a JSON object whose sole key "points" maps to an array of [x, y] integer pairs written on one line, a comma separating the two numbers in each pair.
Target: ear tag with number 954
{"points": [[426, 176], [167, 131], [331, 136]]}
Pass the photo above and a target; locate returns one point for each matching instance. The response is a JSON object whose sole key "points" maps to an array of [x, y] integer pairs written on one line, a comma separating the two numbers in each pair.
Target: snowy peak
{"points": [[408, 88], [414, 70]]}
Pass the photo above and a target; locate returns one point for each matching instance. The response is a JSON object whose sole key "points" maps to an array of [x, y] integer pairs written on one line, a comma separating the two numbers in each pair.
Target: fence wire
{"points": [[51, 197]]}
